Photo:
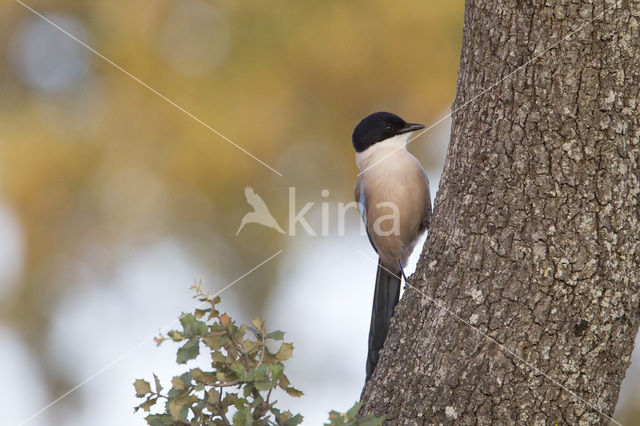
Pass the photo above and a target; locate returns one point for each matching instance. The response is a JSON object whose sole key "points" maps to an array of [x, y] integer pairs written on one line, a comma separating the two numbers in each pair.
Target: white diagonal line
{"points": [[503, 347], [136, 347], [145, 85], [467, 103]]}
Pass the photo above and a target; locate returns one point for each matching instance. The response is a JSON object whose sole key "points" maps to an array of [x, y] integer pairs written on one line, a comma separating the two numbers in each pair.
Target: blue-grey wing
{"points": [[361, 200]]}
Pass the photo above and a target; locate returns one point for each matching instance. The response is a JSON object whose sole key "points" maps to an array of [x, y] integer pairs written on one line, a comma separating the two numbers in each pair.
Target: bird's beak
{"points": [[410, 127]]}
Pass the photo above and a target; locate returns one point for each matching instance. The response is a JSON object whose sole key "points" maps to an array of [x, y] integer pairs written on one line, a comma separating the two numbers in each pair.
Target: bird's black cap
{"points": [[378, 127]]}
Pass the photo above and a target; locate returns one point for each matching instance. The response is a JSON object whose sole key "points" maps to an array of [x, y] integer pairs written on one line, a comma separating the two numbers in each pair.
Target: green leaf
{"points": [[188, 351], [219, 357], [352, 414], [199, 313], [146, 406], [247, 389], [275, 370], [264, 386], [214, 342], [285, 352], [174, 393], [268, 357], [334, 418], [351, 417], [193, 327], [295, 420], [241, 403], [260, 373], [200, 376], [176, 408], [275, 335], [240, 371], [187, 378], [249, 345], [243, 417], [213, 396], [276, 413], [175, 335], [229, 399], [293, 391], [142, 387], [159, 420]]}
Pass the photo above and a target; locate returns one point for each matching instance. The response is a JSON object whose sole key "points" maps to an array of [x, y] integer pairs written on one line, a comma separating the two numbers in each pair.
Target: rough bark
{"points": [[535, 236]]}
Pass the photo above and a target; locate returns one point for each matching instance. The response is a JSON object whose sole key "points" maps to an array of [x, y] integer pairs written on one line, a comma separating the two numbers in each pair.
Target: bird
{"points": [[260, 213], [392, 194]]}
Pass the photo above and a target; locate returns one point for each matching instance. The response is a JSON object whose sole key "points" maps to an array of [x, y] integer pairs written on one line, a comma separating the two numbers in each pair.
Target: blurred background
{"points": [[113, 202]]}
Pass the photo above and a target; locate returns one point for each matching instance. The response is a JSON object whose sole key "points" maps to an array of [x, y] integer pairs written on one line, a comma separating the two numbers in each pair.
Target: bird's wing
{"points": [[254, 199], [361, 200]]}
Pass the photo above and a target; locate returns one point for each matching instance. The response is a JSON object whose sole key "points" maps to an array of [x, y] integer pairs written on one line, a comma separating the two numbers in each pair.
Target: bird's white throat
{"points": [[382, 149]]}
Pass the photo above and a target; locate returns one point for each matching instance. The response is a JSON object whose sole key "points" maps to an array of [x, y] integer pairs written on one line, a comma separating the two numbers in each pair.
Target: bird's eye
{"points": [[388, 128]]}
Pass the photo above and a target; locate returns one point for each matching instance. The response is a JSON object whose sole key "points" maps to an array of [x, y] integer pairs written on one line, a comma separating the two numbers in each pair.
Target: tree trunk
{"points": [[527, 300]]}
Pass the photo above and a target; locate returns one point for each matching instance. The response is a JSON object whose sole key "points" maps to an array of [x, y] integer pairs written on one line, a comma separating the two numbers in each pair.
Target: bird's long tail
{"points": [[385, 298]]}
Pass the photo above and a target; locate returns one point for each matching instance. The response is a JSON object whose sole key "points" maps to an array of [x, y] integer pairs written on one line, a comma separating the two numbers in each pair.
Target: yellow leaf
{"points": [[178, 383], [225, 320], [259, 324], [285, 352], [142, 387]]}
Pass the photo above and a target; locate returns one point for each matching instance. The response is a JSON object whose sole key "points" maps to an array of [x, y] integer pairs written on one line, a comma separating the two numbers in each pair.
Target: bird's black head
{"points": [[378, 127]]}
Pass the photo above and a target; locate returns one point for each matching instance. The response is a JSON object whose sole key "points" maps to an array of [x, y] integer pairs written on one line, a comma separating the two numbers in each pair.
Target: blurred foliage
{"points": [[95, 166], [244, 373]]}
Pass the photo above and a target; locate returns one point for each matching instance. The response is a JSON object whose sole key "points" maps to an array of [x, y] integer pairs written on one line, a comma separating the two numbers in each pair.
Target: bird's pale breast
{"points": [[396, 194]]}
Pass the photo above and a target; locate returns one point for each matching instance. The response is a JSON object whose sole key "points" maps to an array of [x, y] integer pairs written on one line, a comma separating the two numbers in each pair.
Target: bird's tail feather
{"points": [[385, 298]]}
